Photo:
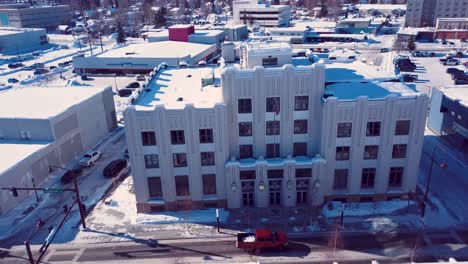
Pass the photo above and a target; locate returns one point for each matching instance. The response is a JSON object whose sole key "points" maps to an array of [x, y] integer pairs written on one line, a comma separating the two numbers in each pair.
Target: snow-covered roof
{"points": [[11, 31], [348, 81], [161, 49], [15, 151], [458, 93], [380, 7], [174, 88], [370, 89], [207, 33], [42, 102]]}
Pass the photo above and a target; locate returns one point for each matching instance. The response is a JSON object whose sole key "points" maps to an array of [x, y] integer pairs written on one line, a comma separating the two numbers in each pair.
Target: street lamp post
{"points": [[443, 165]]}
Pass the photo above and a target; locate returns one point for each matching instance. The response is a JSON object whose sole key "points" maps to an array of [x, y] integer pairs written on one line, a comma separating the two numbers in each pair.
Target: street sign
{"points": [[51, 190]]}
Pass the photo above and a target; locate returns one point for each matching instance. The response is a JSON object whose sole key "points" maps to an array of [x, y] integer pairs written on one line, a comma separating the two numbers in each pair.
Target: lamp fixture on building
{"points": [[233, 186], [261, 186], [317, 184], [289, 184]]}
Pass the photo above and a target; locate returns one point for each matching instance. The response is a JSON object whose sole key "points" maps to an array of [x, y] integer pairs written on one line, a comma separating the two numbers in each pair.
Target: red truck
{"points": [[262, 238]]}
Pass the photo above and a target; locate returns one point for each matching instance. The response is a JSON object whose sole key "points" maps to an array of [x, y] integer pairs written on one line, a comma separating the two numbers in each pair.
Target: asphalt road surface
{"points": [[350, 248]]}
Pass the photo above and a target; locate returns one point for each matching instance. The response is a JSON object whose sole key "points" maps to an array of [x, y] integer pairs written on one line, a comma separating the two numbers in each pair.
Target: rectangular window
{"points": [[206, 135], [270, 61], [179, 159], [301, 103], [373, 129], [177, 137], [300, 126], [182, 185], [272, 127], [399, 151], [207, 158], [303, 173], [273, 104], [274, 174], [245, 129], [247, 175], [368, 178], [402, 127], [342, 153], [395, 177], [154, 187], [371, 152], [148, 138], [151, 161], [340, 180], [209, 184], [244, 106], [245, 151], [300, 149], [344, 130], [272, 150]]}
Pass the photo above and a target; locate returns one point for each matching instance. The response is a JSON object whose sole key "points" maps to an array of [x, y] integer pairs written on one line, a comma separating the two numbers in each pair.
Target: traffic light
{"points": [[14, 191], [65, 209]]}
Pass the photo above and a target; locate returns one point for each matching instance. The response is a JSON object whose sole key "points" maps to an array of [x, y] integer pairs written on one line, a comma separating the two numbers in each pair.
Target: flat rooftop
{"points": [[347, 81], [174, 88], [459, 93], [15, 151], [42, 102], [161, 49], [4, 31]]}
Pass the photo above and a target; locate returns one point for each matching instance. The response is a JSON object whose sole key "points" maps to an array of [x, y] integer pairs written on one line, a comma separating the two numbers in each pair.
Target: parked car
{"points": [[451, 62], [409, 77], [183, 64], [38, 65], [15, 65], [461, 81], [84, 77], [141, 78], [428, 54], [28, 68], [459, 54], [90, 158], [452, 70], [114, 168], [12, 80], [416, 53], [41, 71], [262, 238], [125, 92], [133, 85], [52, 67], [459, 75], [202, 63], [383, 50], [69, 174]]}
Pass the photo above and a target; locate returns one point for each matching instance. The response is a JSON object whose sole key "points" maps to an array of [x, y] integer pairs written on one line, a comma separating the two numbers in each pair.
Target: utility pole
{"points": [[443, 165]]}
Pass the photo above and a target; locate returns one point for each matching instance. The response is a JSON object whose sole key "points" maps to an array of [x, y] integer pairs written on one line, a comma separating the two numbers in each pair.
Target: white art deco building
{"points": [[273, 135]]}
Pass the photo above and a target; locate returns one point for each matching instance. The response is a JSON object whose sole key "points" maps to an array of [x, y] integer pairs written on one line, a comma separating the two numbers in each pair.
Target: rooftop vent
{"points": [[180, 99]]}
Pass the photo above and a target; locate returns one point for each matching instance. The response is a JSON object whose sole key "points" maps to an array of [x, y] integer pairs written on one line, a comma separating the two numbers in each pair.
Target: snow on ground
{"points": [[364, 209]]}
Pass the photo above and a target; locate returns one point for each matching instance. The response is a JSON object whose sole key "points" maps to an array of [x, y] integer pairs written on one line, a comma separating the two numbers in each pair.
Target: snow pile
{"points": [[76, 83], [333, 209], [192, 216]]}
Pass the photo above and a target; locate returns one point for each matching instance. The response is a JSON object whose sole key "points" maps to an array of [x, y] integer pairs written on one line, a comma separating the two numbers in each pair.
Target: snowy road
{"points": [[16, 225]]}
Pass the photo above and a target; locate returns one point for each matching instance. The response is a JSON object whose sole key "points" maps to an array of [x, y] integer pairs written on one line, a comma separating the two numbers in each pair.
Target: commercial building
{"points": [[268, 54], [14, 40], [354, 25], [236, 32], [448, 116], [251, 12], [27, 16], [42, 127], [143, 57], [424, 13], [273, 136], [452, 28]]}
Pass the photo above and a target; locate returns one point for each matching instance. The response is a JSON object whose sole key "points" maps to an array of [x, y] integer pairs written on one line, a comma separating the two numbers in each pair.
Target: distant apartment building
{"points": [[267, 134], [42, 127], [452, 28], [27, 16], [251, 12], [424, 13]]}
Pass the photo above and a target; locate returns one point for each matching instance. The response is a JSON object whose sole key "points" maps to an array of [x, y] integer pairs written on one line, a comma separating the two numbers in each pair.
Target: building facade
{"points": [[26, 16], [31, 141], [452, 28], [276, 136], [424, 13], [250, 12], [13, 40]]}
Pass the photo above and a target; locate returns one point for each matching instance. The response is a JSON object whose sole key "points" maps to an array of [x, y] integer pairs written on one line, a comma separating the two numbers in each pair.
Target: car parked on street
{"points": [[114, 168], [451, 62], [141, 78], [12, 80], [133, 85], [67, 177], [90, 158], [461, 81], [124, 92], [41, 71], [383, 50]]}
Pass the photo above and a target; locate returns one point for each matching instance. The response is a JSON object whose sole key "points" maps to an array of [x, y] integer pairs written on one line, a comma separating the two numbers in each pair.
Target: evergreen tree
{"points": [[160, 17], [411, 45], [323, 9], [120, 32]]}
